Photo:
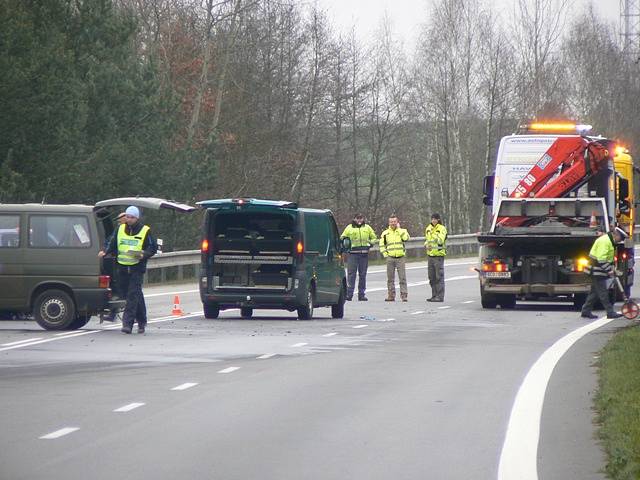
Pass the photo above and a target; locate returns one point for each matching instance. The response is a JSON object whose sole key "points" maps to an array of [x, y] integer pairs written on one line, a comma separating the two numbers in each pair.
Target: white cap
{"points": [[133, 211]]}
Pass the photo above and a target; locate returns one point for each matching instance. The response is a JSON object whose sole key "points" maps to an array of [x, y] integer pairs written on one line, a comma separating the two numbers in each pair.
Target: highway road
{"points": [[393, 391]]}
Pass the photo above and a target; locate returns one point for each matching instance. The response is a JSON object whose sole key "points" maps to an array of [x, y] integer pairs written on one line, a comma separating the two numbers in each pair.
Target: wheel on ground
{"points": [[54, 310], [246, 312], [337, 310], [79, 322], [211, 310], [578, 300], [488, 300], [306, 311], [507, 301]]}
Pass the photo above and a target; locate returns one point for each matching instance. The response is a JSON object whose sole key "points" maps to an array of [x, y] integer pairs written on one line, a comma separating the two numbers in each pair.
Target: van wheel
{"points": [[337, 311], [246, 312], [79, 322], [54, 310], [306, 312], [211, 310]]}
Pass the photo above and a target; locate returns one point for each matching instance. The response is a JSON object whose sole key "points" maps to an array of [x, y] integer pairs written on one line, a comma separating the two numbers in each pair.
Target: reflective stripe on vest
{"points": [[129, 245]]}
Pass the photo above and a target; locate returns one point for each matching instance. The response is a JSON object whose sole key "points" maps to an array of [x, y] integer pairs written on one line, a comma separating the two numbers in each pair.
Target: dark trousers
{"points": [[130, 280], [598, 292], [357, 263], [436, 277]]}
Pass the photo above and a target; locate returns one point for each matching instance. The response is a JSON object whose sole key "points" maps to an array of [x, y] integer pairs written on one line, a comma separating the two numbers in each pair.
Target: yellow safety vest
{"points": [[435, 238], [392, 242], [128, 245]]}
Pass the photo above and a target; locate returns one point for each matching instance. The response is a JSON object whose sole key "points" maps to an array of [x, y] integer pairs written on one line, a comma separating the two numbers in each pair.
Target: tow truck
{"points": [[553, 186]]}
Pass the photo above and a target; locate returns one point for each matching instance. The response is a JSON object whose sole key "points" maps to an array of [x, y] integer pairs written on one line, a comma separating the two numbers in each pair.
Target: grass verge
{"points": [[618, 404]]}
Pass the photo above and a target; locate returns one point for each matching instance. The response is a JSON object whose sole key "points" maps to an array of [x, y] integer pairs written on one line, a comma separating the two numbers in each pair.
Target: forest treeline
{"points": [[197, 99]]}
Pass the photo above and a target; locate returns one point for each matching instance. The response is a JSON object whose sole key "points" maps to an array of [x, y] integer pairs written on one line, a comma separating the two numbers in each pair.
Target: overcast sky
{"points": [[407, 15]]}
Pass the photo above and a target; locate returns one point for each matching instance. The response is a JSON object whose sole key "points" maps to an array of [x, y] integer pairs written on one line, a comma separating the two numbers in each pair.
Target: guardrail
{"points": [[177, 266]]}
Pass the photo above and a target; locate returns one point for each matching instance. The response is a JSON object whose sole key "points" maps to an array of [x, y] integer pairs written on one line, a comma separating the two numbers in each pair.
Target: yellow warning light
{"points": [[620, 150], [558, 127]]}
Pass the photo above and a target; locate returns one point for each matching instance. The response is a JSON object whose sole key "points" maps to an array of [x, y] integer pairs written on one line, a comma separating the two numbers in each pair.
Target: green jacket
{"points": [[602, 256], [435, 239], [361, 236], [392, 242]]}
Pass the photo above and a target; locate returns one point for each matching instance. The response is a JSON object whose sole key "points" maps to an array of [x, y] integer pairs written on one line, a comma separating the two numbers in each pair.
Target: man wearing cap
{"points": [[134, 245], [601, 269], [435, 238]]}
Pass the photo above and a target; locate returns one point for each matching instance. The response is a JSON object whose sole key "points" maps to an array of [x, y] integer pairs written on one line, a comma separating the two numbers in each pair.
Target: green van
{"points": [[49, 264], [270, 255]]}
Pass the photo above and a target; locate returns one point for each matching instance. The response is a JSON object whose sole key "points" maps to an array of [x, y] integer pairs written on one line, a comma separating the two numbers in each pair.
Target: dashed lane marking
{"points": [[229, 370], [301, 344], [184, 386], [418, 312], [59, 433], [129, 407], [21, 341], [444, 307], [360, 326], [330, 334], [266, 355], [469, 301]]}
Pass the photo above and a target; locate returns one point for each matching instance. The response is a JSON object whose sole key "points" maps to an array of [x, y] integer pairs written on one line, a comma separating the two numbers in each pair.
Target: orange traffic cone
{"points": [[593, 222], [177, 311]]}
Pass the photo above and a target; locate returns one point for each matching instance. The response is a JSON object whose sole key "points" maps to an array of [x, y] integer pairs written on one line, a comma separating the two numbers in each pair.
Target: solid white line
{"points": [[266, 355], [63, 333], [151, 295], [79, 333], [229, 370], [330, 334], [59, 433], [518, 460], [418, 284], [21, 341], [184, 386], [469, 301], [418, 312], [422, 267], [360, 326], [444, 308], [128, 408], [301, 344]]}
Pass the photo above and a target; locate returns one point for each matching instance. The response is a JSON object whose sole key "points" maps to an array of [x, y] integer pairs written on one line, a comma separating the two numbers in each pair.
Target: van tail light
{"points": [[299, 247], [494, 266], [204, 247], [104, 281]]}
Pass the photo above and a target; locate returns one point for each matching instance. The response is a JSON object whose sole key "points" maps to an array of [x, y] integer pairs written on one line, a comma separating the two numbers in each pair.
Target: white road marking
{"points": [[301, 344], [21, 341], [63, 333], [422, 267], [79, 333], [169, 293], [184, 386], [418, 312], [444, 307], [418, 284], [518, 460], [266, 355], [360, 326], [59, 433], [330, 334], [128, 408], [469, 301], [229, 370]]}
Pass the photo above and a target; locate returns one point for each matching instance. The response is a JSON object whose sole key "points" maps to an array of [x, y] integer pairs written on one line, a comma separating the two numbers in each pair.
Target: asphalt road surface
{"points": [[393, 391]]}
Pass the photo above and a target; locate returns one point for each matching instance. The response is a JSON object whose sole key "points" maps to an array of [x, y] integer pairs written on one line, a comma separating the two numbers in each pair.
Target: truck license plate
{"points": [[497, 274]]}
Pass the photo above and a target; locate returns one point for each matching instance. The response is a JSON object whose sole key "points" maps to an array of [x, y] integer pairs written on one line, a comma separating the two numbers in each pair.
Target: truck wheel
{"points": [[488, 300], [337, 310], [79, 322], [578, 300], [306, 311], [246, 312], [54, 310], [507, 301], [211, 310]]}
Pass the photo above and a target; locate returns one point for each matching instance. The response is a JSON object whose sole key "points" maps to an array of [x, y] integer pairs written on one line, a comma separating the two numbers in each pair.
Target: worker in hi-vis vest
{"points": [[435, 236], [361, 236], [393, 250], [134, 245]]}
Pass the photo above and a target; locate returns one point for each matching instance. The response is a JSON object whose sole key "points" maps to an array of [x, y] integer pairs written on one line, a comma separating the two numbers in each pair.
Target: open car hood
{"points": [[146, 202]]}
